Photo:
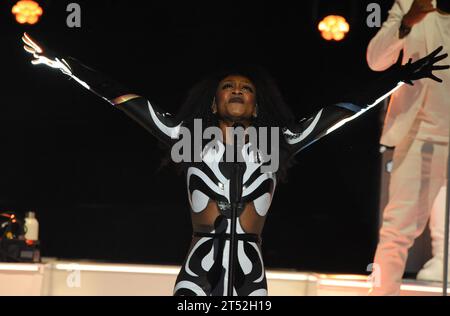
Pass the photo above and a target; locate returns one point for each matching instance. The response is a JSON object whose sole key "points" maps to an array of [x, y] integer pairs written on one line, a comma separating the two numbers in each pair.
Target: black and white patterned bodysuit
{"points": [[205, 270]]}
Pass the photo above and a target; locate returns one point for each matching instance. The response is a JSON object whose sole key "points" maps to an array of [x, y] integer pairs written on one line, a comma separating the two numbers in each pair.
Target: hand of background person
{"points": [[417, 12]]}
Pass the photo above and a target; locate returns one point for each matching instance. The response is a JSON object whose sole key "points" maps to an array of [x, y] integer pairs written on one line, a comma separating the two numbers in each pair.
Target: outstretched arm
{"points": [[137, 107], [328, 119]]}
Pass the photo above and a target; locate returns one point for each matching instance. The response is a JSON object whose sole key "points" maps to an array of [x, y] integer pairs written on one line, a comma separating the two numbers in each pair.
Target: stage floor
{"points": [[55, 277]]}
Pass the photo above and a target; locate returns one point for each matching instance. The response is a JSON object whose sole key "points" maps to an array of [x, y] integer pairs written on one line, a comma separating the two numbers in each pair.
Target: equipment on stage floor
{"points": [[14, 245], [17, 250]]}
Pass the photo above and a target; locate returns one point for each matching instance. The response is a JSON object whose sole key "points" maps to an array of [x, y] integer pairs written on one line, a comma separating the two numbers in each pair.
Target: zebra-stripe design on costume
{"points": [[206, 266], [207, 263]]}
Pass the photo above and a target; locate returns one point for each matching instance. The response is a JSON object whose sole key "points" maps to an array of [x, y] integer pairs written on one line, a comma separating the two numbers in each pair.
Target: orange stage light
{"points": [[334, 27], [27, 11]]}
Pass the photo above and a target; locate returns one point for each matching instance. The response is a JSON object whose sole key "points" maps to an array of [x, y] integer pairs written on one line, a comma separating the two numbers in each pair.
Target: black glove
{"points": [[422, 68]]}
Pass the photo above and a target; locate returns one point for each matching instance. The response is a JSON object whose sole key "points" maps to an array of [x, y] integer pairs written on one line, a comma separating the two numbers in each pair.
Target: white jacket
{"points": [[383, 51]]}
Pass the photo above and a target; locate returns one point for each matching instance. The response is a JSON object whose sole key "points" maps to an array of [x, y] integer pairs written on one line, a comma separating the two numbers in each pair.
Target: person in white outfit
{"points": [[417, 125]]}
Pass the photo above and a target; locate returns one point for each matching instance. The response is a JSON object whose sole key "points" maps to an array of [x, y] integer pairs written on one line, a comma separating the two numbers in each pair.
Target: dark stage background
{"points": [[91, 174]]}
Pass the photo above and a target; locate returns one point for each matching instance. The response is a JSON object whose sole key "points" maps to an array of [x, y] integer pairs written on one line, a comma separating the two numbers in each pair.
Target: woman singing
{"points": [[249, 98]]}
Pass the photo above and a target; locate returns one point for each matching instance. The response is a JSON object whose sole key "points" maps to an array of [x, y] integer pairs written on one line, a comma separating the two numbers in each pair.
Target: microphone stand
{"points": [[446, 223], [235, 197]]}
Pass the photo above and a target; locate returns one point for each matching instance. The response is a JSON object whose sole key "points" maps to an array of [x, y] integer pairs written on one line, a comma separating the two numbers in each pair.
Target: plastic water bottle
{"points": [[31, 226]]}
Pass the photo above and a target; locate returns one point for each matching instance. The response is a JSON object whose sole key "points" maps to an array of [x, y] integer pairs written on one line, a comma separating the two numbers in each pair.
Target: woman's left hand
{"points": [[422, 68]]}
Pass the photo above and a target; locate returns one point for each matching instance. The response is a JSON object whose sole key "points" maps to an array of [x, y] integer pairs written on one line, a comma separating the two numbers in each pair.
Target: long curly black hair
{"points": [[271, 108]]}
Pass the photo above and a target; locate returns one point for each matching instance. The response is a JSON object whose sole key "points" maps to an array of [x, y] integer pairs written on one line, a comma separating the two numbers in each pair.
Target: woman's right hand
{"points": [[43, 55]]}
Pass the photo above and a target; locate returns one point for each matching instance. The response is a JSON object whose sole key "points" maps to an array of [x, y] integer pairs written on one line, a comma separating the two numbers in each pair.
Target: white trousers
{"points": [[417, 185]]}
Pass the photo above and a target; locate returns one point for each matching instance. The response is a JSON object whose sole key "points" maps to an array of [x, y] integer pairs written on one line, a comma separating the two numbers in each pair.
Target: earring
{"points": [[214, 111], [256, 110]]}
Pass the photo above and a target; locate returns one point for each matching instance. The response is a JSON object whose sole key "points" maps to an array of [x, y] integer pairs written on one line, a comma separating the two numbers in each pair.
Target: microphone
{"points": [[235, 199], [238, 141]]}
